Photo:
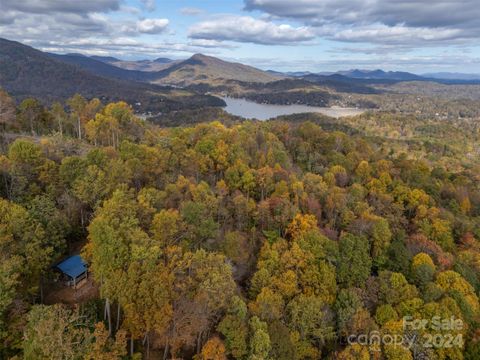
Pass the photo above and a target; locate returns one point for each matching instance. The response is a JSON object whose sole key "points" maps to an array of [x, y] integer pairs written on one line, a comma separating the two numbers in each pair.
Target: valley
{"points": [[158, 87]]}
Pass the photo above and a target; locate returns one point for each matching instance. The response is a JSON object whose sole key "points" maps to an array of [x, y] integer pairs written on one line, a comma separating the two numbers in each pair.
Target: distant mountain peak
{"points": [[107, 59], [453, 76], [379, 74], [75, 54], [200, 56], [204, 59], [161, 60], [200, 68]]}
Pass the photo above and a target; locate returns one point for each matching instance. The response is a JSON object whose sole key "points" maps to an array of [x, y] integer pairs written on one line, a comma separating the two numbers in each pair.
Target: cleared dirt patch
{"points": [[58, 293]]}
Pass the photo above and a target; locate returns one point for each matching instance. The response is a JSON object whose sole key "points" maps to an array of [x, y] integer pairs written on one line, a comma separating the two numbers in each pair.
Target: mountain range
{"points": [[392, 76], [197, 69], [141, 65], [102, 68], [27, 72], [201, 68], [154, 85], [380, 75], [452, 76]]}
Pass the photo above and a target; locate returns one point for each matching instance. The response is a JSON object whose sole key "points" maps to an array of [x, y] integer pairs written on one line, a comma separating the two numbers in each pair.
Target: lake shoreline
{"points": [[251, 110]]}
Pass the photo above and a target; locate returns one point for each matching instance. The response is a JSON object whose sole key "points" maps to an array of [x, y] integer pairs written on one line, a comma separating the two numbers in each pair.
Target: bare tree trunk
{"points": [[131, 346], [165, 352], [31, 126], [79, 128], [118, 317], [81, 218], [60, 128], [199, 342], [148, 347], [105, 311], [146, 340], [108, 316]]}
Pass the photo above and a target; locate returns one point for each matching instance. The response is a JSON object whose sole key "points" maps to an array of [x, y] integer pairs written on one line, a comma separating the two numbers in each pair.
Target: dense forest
{"points": [[238, 239]]}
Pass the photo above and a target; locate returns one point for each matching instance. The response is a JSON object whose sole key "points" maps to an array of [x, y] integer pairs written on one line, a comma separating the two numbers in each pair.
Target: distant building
{"points": [[74, 269]]}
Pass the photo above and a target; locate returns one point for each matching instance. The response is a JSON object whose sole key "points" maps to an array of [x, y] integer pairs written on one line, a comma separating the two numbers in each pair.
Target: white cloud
{"points": [[395, 34], [191, 11], [417, 13], [417, 22], [7, 17], [152, 26], [150, 5], [77, 26], [63, 6], [250, 30], [351, 61], [210, 44], [122, 47]]}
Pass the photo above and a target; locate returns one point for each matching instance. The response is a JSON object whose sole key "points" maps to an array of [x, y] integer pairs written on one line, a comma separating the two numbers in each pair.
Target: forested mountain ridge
{"points": [[26, 72], [380, 75], [207, 69], [196, 69], [139, 65], [256, 240], [29, 72], [102, 68]]}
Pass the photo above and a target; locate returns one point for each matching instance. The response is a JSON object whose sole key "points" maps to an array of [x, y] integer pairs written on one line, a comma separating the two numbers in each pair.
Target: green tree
{"points": [[54, 332], [26, 160], [346, 305], [25, 253], [259, 341], [234, 327], [422, 270], [43, 210], [60, 116], [311, 318], [353, 254], [31, 115]]}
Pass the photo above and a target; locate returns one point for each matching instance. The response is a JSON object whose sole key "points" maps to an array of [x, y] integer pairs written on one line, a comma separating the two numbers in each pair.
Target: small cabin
{"points": [[74, 269]]}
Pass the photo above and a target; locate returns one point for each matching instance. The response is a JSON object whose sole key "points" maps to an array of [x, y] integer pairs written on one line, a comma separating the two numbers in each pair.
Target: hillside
{"points": [[272, 233], [102, 68], [137, 65], [199, 69], [206, 69], [453, 76], [341, 83], [380, 75], [27, 72]]}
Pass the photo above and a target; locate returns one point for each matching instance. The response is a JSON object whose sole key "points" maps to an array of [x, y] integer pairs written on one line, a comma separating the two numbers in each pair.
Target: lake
{"points": [[252, 110]]}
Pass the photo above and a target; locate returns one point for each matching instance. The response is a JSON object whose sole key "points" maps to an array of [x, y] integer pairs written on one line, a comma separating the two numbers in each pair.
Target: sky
{"points": [[419, 36]]}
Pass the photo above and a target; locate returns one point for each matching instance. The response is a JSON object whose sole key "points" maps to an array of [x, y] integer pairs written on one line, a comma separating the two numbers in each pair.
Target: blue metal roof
{"points": [[74, 266]]}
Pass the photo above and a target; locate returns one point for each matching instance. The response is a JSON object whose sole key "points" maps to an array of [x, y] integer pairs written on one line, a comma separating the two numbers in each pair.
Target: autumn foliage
{"points": [[257, 240]]}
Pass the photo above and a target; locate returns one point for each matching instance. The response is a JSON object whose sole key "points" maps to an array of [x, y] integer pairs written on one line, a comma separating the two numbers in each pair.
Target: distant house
{"points": [[74, 269]]}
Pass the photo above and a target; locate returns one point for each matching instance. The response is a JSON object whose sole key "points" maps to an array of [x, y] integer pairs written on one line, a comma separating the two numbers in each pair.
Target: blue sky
{"points": [[288, 35]]}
